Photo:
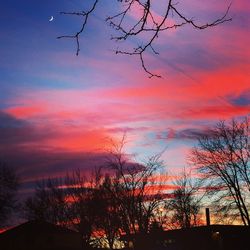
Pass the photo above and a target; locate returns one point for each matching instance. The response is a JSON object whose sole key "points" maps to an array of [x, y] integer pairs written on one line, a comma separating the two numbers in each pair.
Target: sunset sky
{"points": [[57, 110]]}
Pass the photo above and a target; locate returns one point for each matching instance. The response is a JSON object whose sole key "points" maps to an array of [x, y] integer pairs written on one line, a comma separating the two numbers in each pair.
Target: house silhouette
{"points": [[211, 237], [40, 235]]}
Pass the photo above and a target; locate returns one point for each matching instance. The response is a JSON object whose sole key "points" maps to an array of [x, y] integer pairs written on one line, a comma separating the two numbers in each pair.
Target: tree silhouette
{"points": [[76, 202], [147, 25], [8, 190], [222, 156], [185, 204], [48, 203], [84, 211], [108, 220], [134, 189]]}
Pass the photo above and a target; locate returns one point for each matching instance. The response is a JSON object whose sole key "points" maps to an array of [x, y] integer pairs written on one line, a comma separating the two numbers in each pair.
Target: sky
{"points": [[58, 109]]}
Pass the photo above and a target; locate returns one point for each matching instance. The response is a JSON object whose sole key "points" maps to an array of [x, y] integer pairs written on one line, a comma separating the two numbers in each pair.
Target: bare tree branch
{"points": [[146, 23], [85, 16]]}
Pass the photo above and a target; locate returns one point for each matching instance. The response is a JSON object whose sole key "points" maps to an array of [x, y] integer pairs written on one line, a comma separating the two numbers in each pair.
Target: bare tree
{"points": [[83, 210], [185, 204], [48, 203], [8, 189], [108, 221], [148, 22], [134, 189], [65, 201], [222, 156]]}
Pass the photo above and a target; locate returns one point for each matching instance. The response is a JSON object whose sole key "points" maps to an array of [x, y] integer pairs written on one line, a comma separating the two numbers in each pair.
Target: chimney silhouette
{"points": [[207, 216]]}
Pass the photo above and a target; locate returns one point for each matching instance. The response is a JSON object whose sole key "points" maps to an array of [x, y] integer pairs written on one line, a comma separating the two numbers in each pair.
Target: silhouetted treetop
{"points": [[8, 189]]}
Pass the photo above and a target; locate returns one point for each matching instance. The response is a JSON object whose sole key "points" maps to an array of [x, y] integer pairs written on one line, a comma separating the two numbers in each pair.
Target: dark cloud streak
{"points": [[184, 134]]}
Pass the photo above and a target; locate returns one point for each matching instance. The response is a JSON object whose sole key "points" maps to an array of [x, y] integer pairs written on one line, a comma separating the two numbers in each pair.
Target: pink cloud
{"points": [[26, 111]]}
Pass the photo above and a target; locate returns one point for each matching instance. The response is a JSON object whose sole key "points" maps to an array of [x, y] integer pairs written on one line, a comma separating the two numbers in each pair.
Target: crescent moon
{"points": [[51, 19]]}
